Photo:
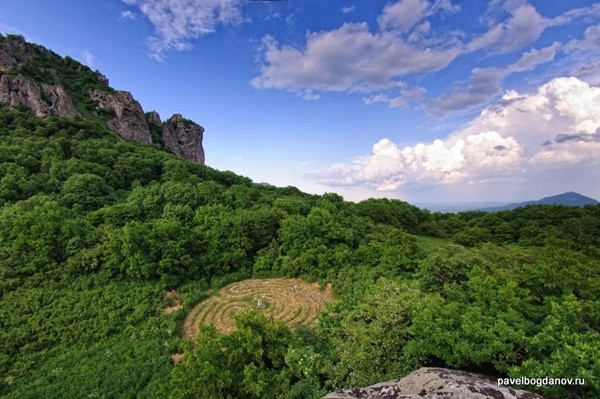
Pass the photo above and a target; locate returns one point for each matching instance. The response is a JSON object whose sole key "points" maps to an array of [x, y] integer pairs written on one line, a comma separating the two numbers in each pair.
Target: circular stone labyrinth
{"points": [[292, 301]]}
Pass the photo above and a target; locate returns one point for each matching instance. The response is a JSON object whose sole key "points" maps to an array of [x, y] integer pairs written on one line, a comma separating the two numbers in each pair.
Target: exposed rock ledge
{"points": [[129, 121], [184, 138], [436, 383], [43, 99]]}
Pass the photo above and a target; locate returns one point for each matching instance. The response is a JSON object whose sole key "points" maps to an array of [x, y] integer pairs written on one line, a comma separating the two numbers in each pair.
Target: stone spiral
{"points": [[292, 301]]}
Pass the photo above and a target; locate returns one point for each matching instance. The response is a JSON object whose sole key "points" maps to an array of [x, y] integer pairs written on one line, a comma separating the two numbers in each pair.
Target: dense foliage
{"points": [[94, 231]]}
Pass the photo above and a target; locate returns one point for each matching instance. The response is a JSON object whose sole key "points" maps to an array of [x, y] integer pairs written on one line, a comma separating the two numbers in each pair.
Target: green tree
{"points": [[260, 360], [87, 191]]}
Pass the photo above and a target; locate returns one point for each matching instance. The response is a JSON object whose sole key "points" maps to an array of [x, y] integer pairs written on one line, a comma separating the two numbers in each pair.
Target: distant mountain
{"points": [[570, 199], [452, 207]]}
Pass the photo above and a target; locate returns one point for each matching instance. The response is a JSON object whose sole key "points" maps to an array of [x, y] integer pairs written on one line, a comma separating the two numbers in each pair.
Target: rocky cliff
{"points": [[436, 383], [49, 85], [42, 99], [184, 138], [15, 53], [129, 119]]}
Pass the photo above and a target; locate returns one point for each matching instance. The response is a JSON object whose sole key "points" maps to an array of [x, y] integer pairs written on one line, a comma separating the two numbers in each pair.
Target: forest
{"points": [[94, 230]]}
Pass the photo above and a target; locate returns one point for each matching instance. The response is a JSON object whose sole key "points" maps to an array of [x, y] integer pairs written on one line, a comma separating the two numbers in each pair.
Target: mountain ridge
{"points": [[41, 81]]}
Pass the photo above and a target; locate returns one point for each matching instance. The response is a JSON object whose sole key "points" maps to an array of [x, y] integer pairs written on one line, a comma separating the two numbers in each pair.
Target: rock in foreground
{"points": [[436, 383]]}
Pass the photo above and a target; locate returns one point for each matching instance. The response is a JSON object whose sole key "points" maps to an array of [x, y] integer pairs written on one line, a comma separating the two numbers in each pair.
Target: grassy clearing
{"points": [[292, 301]]}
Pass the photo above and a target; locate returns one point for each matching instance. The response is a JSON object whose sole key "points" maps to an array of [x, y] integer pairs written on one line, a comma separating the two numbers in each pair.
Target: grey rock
{"points": [[43, 99], [15, 53], [104, 80], [129, 121], [153, 117], [436, 383], [184, 138]]}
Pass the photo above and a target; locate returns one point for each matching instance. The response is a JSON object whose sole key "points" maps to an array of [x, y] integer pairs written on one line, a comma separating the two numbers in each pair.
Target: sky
{"points": [[428, 101]]}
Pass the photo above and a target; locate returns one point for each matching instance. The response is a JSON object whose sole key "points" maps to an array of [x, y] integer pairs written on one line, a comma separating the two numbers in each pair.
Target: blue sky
{"points": [[426, 101]]}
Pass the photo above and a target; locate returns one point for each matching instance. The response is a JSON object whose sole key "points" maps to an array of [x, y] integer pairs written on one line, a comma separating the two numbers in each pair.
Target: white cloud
{"points": [[533, 58], [590, 41], [523, 27], [484, 83], [455, 160], [348, 10], [403, 15], [574, 13], [405, 96], [349, 58], [446, 6], [309, 95], [177, 22], [352, 58], [128, 15], [521, 135]]}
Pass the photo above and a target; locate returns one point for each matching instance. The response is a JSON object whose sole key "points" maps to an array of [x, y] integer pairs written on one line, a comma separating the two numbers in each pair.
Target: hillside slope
{"points": [[38, 79]]}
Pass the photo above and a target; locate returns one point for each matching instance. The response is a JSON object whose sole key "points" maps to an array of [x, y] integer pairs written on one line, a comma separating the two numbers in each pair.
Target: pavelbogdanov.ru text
{"points": [[540, 381]]}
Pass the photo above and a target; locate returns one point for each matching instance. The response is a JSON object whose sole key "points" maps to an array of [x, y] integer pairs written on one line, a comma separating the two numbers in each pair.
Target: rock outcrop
{"points": [[15, 53], [42, 99], [184, 138], [153, 118], [123, 114], [436, 383], [129, 121]]}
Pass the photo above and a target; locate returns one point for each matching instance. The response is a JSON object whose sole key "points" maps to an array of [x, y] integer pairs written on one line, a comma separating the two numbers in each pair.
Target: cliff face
{"points": [[36, 78], [129, 121], [42, 99], [184, 138], [14, 54]]}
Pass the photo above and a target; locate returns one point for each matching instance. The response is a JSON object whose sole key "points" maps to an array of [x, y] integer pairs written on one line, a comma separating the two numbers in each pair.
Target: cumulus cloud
{"points": [[582, 56], [177, 22], [520, 135], [523, 27], [349, 58], [484, 83], [403, 15], [353, 58], [455, 160]]}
